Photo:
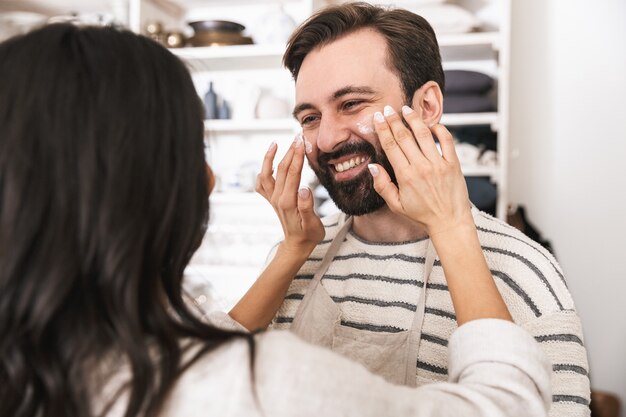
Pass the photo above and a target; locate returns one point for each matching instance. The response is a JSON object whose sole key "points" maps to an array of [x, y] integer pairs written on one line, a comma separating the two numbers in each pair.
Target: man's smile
{"points": [[348, 166]]}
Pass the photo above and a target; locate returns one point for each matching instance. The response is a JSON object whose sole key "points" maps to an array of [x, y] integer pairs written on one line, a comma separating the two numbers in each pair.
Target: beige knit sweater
{"points": [[496, 369]]}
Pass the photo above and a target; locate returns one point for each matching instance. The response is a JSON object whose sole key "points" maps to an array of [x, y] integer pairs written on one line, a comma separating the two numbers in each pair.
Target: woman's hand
{"points": [[302, 227], [303, 230], [431, 188]]}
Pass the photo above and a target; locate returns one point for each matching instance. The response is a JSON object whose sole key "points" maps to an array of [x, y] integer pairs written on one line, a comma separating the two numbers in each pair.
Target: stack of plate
{"points": [[218, 33]]}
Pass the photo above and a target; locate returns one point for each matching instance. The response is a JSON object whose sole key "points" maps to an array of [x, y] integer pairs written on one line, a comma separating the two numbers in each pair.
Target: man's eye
{"points": [[348, 105], [307, 120]]}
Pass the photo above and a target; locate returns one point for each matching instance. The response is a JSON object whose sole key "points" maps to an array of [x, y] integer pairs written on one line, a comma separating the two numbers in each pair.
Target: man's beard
{"points": [[357, 196]]}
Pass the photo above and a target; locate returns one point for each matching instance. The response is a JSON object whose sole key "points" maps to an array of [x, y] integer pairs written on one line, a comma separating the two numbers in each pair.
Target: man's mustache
{"points": [[347, 149]]}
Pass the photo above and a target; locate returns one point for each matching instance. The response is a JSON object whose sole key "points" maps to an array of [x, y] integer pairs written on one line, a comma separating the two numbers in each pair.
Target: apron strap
{"points": [[415, 335], [326, 261]]}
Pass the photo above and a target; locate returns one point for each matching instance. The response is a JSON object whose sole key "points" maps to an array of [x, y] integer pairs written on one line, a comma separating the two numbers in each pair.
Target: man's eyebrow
{"points": [[300, 108], [351, 90], [336, 95]]}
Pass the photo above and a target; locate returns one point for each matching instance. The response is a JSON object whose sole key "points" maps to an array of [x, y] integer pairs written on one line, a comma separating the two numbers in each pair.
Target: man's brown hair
{"points": [[413, 51]]}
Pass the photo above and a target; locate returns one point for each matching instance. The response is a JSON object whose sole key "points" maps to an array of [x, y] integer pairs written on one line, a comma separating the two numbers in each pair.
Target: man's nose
{"points": [[333, 131]]}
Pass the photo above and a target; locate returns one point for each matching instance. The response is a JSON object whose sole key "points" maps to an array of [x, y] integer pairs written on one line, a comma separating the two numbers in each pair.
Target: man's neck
{"points": [[385, 226]]}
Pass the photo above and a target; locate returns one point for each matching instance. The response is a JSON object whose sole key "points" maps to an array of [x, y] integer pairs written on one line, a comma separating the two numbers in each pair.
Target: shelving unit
{"points": [[485, 51], [242, 141]]}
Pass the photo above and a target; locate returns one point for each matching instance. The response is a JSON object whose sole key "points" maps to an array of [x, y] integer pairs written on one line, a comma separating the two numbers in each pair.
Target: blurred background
{"points": [[534, 98]]}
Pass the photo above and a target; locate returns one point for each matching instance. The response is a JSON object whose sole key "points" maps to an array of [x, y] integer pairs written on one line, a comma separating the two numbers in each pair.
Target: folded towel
{"points": [[481, 136], [467, 82], [467, 103], [447, 18]]}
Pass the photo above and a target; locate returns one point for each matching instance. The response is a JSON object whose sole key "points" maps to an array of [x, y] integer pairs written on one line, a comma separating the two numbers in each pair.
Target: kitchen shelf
{"points": [[470, 119], [491, 172], [240, 52], [491, 39], [232, 51], [485, 51]]}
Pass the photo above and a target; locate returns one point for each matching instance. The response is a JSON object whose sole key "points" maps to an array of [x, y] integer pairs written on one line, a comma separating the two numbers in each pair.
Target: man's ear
{"points": [[428, 102]]}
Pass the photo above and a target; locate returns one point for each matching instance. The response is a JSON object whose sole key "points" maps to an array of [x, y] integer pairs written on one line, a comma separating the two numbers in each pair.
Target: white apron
{"points": [[390, 355]]}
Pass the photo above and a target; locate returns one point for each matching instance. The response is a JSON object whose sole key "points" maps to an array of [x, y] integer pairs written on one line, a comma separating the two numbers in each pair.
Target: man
{"points": [[384, 299]]}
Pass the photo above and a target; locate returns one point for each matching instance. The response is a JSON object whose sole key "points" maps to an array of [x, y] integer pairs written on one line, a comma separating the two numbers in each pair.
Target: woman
{"points": [[103, 200]]}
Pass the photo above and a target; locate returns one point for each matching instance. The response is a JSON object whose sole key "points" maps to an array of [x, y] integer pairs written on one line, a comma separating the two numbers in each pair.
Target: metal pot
{"points": [[216, 26]]}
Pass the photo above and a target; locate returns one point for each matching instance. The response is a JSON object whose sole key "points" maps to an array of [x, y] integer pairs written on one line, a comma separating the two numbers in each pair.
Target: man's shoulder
{"points": [[499, 237], [528, 271]]}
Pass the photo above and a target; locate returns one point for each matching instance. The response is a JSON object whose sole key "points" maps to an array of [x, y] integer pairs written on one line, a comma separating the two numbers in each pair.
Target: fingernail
{"points": [[406, 110], [373, 169], [272, 146], [308, 147], [298, 141], [378, 117], [304, 192], [388, 110]]}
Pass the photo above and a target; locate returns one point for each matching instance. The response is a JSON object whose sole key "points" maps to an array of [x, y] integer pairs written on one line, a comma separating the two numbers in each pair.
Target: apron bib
{"points": [[390, 355]]}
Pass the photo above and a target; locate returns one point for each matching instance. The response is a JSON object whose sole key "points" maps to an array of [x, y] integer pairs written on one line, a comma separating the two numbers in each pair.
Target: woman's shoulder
{"points": [[289, 376], [223, 380], [214, 382]]}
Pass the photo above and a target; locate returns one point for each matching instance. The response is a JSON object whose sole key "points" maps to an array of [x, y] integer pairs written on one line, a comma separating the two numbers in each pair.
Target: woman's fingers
{"points": [[430, 185], [293, 175], [385, 187], [311, 223], [282, 192], [446, 142], [388, 142], [422, 134], [283, 168], [403, 136], [265, 179], [301, 225]]}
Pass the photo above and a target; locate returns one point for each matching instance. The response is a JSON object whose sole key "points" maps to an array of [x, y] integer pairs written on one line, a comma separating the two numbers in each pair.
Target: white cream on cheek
{"points": [[365, 126], [308, 147]]}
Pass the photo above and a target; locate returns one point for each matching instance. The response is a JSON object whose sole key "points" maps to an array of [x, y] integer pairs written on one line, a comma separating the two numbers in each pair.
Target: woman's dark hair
{"points": [[411, 43], [103, 201]]}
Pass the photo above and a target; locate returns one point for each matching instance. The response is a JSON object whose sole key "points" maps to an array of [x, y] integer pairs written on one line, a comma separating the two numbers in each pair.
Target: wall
{"points": [[568, 165]]}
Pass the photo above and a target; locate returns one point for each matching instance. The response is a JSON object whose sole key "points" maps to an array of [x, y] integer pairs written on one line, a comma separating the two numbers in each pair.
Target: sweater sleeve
{"points": [[224, 321], [560, 336], [496, 369]]}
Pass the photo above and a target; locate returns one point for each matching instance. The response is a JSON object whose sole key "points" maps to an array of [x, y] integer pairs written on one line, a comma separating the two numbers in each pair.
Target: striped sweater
{"points": [[377, 285]]}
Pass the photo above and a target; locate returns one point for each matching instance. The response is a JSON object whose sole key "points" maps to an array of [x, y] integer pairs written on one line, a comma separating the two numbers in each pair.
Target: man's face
{"points": [[339, 87]]}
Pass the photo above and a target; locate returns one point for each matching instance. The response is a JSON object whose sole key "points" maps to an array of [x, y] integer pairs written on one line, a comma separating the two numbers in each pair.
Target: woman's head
{"points": [[103, 200]]}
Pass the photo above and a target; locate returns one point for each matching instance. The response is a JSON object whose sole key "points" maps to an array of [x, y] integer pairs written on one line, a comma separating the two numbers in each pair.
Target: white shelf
{"points": [[190, 4], [275, 52], [469, 39], [470, 119], [232, 51], [486, 52], [491, 172]]}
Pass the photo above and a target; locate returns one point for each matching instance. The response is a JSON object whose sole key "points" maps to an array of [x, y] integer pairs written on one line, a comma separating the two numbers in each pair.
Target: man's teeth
{"points": [[349, 164]]}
